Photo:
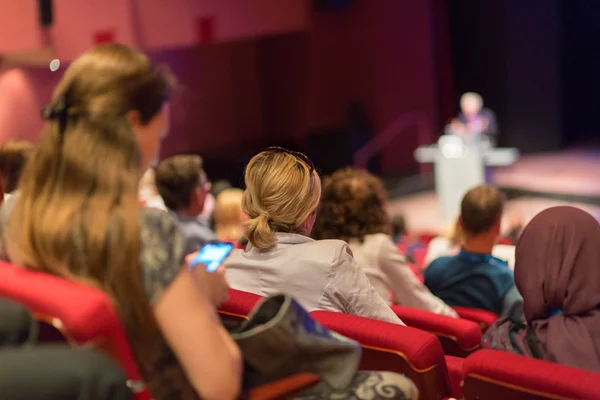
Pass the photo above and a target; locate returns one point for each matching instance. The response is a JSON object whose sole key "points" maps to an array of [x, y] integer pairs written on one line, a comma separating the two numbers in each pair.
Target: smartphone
{"points": [[212, 255]]}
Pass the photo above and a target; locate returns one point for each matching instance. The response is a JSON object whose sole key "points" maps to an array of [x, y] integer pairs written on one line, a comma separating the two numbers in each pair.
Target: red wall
{"points": [[379, 52]]}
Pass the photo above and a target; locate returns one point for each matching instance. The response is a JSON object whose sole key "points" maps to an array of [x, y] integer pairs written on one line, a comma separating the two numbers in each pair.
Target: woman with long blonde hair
{"points": [[281, 199], [77, 216]]}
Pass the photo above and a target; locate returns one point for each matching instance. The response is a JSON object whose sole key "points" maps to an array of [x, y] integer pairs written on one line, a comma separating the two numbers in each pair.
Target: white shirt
{"points": [[320, 275], [156, 202], [388, 272], [441, 247]]}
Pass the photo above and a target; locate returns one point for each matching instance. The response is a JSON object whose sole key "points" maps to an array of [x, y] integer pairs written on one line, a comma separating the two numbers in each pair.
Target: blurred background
{"points": [[334, 77]]}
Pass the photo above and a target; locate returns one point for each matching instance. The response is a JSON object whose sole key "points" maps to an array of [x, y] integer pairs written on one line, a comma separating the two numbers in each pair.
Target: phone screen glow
{"points": [[212, 255]]}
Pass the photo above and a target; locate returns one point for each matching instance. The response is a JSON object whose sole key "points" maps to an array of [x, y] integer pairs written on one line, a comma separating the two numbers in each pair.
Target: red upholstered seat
{"points": [[84, 315], [238, 305], [505, 241], [491, 375], [426, 237], [419, 256], [483, 317], [455, 372], [396, 348], [459, 337]]}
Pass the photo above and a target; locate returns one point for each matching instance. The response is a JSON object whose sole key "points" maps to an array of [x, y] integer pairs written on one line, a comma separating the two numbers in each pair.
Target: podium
{"points": [[460, 166]]}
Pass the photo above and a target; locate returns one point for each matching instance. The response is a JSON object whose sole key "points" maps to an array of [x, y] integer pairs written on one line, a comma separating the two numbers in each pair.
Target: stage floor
{"points": [[535, 182], [572, 173]]}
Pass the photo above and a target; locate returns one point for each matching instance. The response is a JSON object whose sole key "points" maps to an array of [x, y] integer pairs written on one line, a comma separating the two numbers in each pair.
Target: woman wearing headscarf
{"points": [[557, 273]]}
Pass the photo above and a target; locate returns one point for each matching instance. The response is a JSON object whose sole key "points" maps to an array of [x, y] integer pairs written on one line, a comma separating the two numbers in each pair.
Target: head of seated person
{"points": [[480, 219], [13, 157], [228, 216], [399, 229], [353, 206], [183, 185], [282, 194], [557, 273]]}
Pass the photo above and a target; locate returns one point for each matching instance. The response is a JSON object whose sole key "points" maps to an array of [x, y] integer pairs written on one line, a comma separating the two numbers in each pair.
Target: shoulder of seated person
{"points": [[335, 247], [440, 261], [156, 216]]}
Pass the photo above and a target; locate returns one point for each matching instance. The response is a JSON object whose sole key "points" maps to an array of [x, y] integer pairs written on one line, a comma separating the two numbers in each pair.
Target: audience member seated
{"points": [[77, 215], [220, 186], [515, 228], [557, 273], [183, 185], [281, 197], [404, 240], [13, 157], [474, 278], [229, 218], [148, 192], [354, 209], [450, 242]]}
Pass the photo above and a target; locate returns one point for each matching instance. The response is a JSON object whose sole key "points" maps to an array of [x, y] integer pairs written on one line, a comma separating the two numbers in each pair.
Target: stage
{"points": [[535, 182]]}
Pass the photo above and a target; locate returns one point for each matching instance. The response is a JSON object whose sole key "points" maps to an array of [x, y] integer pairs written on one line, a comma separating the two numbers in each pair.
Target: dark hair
{"points": [[399, 225], [177, 178], [480, 209], [219, 186], [353, 205], [13, 156]]}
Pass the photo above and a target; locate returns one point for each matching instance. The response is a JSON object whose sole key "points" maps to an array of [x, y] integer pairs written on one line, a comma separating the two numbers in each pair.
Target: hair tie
{"points": [[56, 111], [264, 215], [59, 111]]}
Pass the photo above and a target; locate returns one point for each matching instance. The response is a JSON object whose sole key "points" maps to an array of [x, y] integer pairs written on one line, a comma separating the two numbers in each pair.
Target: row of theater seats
{"points": [[429, 351], [81, 315]]}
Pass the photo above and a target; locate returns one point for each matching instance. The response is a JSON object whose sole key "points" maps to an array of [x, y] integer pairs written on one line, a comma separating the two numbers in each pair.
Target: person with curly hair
{"points": [[354, 208]]}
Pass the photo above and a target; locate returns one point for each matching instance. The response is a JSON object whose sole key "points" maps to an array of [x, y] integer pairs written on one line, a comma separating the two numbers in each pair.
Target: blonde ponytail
{"points": [[259, 232], [281, 194]]}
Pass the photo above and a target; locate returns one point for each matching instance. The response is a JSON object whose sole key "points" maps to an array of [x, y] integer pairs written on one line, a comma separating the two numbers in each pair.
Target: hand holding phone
{"points": [[209, 276], [212, 255]]}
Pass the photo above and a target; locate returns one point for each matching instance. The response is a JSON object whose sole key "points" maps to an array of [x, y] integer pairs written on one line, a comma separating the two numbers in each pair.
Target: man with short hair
{"points": [[183, 185], [474, 278]]}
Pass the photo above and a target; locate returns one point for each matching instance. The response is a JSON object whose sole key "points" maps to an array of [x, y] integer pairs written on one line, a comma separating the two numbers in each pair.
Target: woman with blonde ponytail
{"points": [[281, 197]]}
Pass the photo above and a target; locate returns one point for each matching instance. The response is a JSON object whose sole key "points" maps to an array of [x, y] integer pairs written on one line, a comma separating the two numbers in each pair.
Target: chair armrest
{"points": [[284, 387], [482, 317]]}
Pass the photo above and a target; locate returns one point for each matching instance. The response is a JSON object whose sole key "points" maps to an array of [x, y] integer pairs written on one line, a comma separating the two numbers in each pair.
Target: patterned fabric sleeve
{"points": [[162, 255]]}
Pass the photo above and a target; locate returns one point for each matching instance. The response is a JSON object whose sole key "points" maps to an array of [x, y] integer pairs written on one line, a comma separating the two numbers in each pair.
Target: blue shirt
{"points": [[472, 280], [195, 233]]}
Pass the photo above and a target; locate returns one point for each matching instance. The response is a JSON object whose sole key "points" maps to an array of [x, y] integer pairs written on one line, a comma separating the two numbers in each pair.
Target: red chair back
{"points": [[505, 241], [396, 348], [483, 318], [238, 305], [82, 314], [426, 237], [458, 337], [491, 375]]}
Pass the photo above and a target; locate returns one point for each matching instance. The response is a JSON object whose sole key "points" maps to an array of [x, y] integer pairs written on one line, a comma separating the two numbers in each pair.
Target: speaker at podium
{"points": [[459, 165]]}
